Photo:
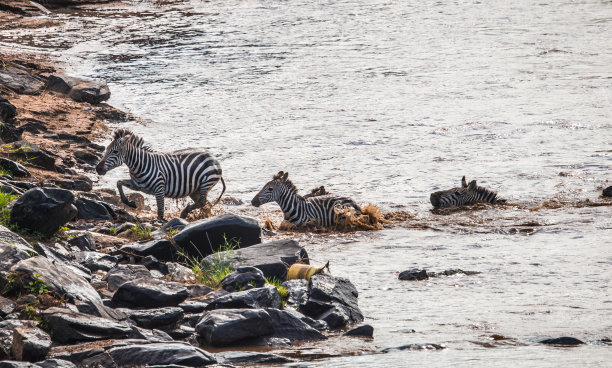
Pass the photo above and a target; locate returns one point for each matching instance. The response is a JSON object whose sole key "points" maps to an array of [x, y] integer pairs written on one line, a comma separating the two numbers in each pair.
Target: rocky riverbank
{"points": [[85, 282]]}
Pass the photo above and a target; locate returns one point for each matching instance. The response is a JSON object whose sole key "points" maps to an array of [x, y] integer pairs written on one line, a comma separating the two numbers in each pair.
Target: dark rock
{"points": [[95, 261], [55, 256], [414, 347], [21, 82], [242, 277], [161, 353], [182, 332], [193, 306], [332, 299], [92, 92], [150, 263], [255, 298], [98, 361], [81, 183], [298, 291], [43, 210], [68, 327], [150, 335], [31, 153], [249, 357], [84, 242], [87, 157], [56, 363], [16, 169], [161, 249], [78, 354], [174, 224], [451, 272], [288, 325], [363, 330], [30, 343], [565, 340], [11, 255], [225, 327], [121, 274], [414, 274], [17, 364], [10, 133], [607, 192], [150, 293], [272, 258], [91, 210], [161, 318], [7, 306], [7, 111], [65, 283], [197, 290], [204, 237]]}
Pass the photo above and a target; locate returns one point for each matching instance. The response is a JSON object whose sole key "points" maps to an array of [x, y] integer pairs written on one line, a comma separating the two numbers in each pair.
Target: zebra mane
{"points": [[132, 139], [282, 177]]}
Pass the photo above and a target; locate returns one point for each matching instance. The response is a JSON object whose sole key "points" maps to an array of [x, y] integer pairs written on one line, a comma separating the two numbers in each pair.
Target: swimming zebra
{"points": [[299, 210], [466, 195], [174, 175]]}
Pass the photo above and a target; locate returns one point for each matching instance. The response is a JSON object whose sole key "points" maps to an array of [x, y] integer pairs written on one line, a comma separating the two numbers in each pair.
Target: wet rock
{"points": [[607, 192], [160, 318], [565, 340], [225, 327], [91, 210], [288, 325], [272, 258], [254, 298], [150, 293], [65, 283], [204, 237], [21, 82], [16, 169], [242, 277], [333, 300], [363, 330], [30, 343], [56, 363], [121, 274], [161, 353], [95, 261], [414, 347], [451, 272], [68, 327], [34, 155], [249, 357], [43, 210], [79, 89], [298, 291], [162, 249], [8, 111], [413, 275], [84, 242], [179, 273]]}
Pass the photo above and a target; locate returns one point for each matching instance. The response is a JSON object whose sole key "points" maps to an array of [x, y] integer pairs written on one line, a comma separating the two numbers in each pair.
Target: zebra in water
{"points": [[299, 210], [174, 175], [468, 194]]}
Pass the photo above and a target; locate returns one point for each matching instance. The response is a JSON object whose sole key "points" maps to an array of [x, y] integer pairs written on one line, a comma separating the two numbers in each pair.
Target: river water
{"points": [[387, 101]]}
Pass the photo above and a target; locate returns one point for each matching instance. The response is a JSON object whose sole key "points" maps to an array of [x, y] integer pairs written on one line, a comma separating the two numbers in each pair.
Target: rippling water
{"points": [[387, 101]]}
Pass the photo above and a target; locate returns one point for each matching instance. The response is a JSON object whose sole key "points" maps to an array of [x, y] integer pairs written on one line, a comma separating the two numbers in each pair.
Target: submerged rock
{"points": [[565, 340], [150, 293], [67, 326], [363, 330], [414, 347], [223, 327], [607, 192], [413, 275], [43, 210]]}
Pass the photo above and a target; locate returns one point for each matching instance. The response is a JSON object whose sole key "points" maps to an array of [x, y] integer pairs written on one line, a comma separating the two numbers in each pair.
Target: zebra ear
{"points": [[472, 185], [463, 182], [285, 176]]}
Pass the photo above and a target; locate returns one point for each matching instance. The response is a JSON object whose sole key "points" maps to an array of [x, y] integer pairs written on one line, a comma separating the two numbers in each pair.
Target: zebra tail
{"points": [[223, 191]]}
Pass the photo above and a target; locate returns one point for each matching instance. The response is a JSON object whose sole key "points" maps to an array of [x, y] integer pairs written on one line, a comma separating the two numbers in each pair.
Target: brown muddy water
{"points": [[386, 102]]}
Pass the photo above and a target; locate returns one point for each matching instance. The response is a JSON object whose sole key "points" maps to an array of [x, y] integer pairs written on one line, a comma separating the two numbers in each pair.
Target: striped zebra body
{"points": [[299, 210], [466, 195], [173, 175]]}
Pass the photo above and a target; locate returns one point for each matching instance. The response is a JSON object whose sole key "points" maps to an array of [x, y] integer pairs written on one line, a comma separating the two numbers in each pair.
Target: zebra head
{"points": [[272, 190], [114, 155]]}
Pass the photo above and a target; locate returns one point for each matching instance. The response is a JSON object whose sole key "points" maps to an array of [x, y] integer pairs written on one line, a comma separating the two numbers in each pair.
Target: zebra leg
{"points": [[129, 184], [190, 207], [159, 198]]}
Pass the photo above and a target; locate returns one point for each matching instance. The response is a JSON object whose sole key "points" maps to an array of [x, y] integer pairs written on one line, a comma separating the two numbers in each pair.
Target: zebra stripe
{"points": [[466, 195], [173, 175], [299, 210]]}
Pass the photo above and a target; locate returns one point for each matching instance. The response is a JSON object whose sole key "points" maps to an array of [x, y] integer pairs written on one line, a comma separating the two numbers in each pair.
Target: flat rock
{"points": [[30, 343], [223, 327], [363, 330], [333, 300], [289, 325], [21, 82], [249, 357], [68, 327], [95, 261], [272, 258], [242, 277], [123, 273], [65, 283], [564, 340], [43, 210], [161, 353], [150, 293], [254, 298], [160, 318], [207, 236]]}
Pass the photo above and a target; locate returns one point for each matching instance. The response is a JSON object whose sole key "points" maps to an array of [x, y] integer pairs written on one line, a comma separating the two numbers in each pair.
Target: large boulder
{"points": [[204, 237], [121, 274], [272, 258], [89, 209], [161, 249], [243, 276], [223, 327], [150, 293], [16, 169], [68, 327], [21, 82], [79, 89], [333, 300], [30, 343], [289, 325], [254, 298], [43, 210], [169, 354], [161, 318], [65, 283]]}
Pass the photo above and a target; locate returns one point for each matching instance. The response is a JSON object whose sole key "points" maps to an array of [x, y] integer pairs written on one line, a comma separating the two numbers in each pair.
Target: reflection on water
{"points": [[386, 102]]}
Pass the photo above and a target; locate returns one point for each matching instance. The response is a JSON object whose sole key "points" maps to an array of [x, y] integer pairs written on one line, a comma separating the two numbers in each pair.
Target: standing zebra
{"points": [[466, 195], [299, 210], [174, 175]]}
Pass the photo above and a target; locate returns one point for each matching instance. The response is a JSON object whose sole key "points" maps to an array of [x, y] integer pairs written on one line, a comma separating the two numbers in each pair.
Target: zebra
{"points": [[299, 210], [468, 194], [174, 175]]}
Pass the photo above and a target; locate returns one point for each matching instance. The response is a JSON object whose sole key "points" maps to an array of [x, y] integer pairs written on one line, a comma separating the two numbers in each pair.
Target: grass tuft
{"points": [[141, 232], [211, 273]]}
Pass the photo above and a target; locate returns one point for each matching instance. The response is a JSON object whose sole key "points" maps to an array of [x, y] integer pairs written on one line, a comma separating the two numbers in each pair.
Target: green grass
{"points": [[273, 281], [141, 232], [4, 171], [5, 213], [211, 273]]}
